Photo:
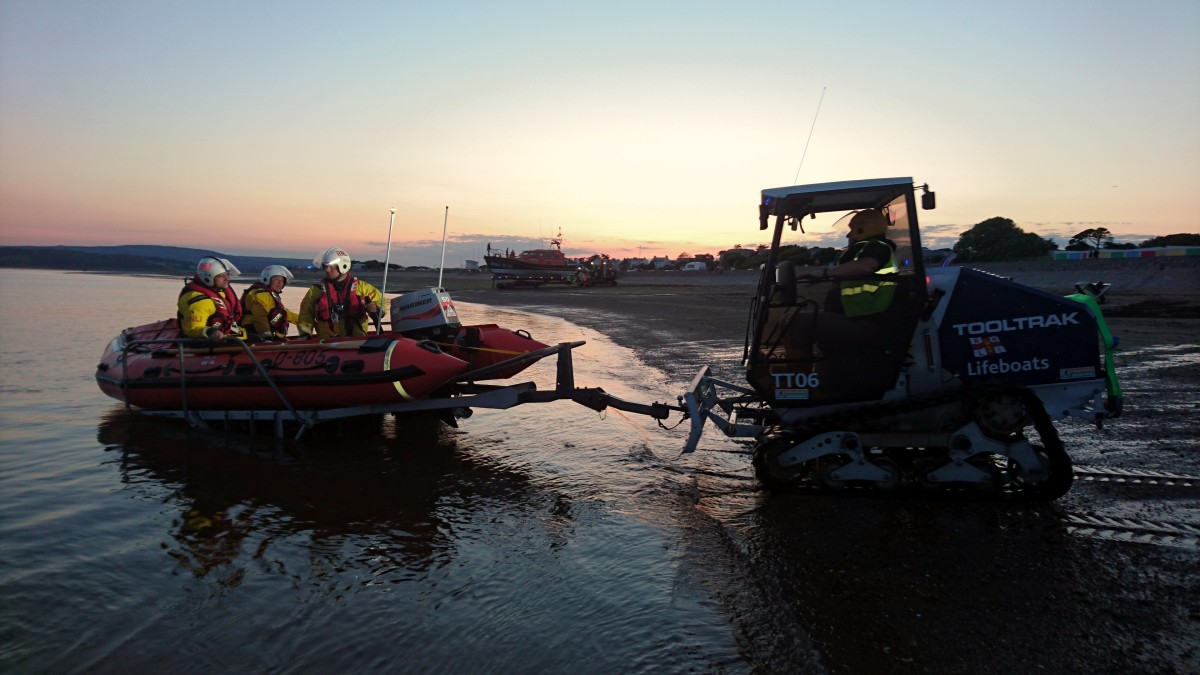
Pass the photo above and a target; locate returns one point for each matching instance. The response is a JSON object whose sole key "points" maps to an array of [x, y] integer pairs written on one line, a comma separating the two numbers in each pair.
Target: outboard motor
{"points": [[427, 313]]}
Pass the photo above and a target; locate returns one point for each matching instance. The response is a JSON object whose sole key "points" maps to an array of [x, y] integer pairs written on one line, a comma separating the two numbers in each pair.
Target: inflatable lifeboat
{"points": [[152, 368], [331, 373]]}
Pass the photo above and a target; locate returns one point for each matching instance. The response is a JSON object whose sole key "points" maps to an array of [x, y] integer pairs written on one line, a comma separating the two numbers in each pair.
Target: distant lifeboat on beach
{"points": [[542, 264]]}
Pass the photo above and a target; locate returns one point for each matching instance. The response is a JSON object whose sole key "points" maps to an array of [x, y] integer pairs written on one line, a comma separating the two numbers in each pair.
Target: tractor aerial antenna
{"points": [[810, 132]]}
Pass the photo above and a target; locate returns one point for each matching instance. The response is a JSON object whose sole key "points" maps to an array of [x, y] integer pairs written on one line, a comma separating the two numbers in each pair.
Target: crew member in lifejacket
{"points": [[264, 313], [208, 307], [339, 305]]}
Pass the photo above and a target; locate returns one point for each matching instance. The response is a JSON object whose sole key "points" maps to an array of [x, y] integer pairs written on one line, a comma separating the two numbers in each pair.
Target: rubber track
{"points": [[1177, 535], [1135, 476], [852, 419]]}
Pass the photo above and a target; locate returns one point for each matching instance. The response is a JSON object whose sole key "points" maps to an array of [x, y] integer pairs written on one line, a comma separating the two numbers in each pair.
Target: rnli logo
{"points": [[982, 347]]}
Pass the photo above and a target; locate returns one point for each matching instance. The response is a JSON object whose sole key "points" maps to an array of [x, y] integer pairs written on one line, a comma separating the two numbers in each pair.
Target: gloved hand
{"points": [[812, 273]]}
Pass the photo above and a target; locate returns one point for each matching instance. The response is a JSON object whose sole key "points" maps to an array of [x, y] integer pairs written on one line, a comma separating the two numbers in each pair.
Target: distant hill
{"points": [[131, 258]]}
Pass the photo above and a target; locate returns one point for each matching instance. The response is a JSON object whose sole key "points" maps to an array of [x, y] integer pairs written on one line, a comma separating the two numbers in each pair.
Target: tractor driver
{"points": [[869, 254], [862, 290]]}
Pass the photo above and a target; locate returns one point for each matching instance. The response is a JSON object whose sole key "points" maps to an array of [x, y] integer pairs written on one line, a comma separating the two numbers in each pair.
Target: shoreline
{"points": [[1145, 306], [657, 317]]}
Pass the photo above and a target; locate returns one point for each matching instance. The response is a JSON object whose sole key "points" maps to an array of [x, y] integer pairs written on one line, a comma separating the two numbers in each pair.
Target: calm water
{"points": [[543, 538]]}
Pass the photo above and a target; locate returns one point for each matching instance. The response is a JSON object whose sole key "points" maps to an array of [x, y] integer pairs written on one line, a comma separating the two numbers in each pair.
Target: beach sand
{"points": [[1124, 601], [1147, 300]]}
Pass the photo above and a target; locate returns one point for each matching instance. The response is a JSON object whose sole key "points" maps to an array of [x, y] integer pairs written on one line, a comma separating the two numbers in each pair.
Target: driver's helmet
{"points": [[867, 224], [333, 256], [208, 269], [271, 271]]}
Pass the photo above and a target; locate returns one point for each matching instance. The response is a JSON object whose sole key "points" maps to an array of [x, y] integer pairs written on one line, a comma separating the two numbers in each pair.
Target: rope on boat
{"points": [[481, 349]]}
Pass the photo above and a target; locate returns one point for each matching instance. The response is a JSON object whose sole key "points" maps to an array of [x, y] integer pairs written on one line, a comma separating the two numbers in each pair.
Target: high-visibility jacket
{"points": [[264, 313], [201, 307], [866, 297], [339, 309]]}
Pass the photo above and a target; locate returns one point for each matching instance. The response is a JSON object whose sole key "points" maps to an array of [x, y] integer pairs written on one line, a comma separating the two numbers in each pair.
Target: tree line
{"points": [[1001, 239], [994, 239]]}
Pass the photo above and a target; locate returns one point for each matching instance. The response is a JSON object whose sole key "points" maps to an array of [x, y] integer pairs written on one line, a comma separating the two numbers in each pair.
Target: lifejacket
{"points": [[334, 306], [229, 308], [277, 316], [863, 298]]}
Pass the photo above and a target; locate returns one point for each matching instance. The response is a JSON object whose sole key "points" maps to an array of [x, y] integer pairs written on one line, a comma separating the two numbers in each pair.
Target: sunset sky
{"points": [[282, 128]]}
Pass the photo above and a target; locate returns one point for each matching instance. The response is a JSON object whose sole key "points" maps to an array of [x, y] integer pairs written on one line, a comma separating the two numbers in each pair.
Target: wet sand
{"points": [[1144, 302], [951, 588], [1102, 580]]}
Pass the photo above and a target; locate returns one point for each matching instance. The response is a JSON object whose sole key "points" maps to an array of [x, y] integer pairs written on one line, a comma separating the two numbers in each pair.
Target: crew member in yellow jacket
{"points": [[208, 307], [339, 305], [264, 314]]}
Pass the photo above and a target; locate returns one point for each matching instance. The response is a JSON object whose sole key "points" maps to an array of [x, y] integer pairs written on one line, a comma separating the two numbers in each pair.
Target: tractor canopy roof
{"points": [[801, 200]]}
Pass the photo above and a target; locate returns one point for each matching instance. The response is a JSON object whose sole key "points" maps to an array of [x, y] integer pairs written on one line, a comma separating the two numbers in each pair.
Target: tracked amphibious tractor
{"points": [[949, 381]]}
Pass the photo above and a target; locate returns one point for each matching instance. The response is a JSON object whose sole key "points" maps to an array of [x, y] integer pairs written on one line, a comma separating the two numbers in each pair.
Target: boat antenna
{"points": [[378, 316], [442, 268], [387, 258], [810, 132]]}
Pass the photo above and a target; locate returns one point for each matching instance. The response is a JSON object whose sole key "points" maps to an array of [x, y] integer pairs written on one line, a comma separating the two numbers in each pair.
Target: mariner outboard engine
{"points": [[425, 314]]}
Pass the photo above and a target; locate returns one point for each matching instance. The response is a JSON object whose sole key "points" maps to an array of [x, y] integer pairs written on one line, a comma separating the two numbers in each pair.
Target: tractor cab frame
{"points": [[803, 347]]}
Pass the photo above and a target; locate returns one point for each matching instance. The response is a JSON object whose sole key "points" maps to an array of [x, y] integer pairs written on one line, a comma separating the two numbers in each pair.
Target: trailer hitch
{"points": [[591, 397], [597, 399]]}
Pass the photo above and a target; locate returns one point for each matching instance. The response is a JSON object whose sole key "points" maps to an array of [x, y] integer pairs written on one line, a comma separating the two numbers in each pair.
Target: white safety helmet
{"points": [[209, 268], [271, 271], [333, 256]]}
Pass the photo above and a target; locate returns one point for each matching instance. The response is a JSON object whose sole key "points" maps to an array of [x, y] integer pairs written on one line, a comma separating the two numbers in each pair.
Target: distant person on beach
{"points": [[264, 313], [338, 305], [208, 307]]}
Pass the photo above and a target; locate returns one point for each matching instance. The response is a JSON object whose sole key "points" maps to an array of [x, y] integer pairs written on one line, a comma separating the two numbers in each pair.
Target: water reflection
{"points": [[387, 504], [471, 552]]}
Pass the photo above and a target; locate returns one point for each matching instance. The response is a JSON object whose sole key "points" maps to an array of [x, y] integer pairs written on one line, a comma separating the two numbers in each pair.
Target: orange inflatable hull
{"points": [[488, 344], [310, 374]]}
